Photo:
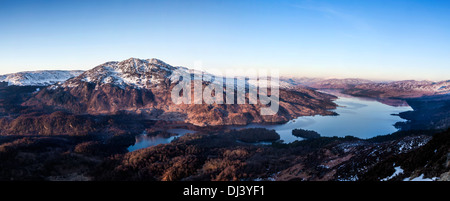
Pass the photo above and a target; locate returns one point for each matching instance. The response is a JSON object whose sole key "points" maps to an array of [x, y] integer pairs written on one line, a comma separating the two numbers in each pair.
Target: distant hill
{"points": [[39, 78]]}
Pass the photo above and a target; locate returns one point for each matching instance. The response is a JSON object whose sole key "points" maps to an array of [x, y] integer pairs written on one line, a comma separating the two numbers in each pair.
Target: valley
{"points": [[86, 127]]}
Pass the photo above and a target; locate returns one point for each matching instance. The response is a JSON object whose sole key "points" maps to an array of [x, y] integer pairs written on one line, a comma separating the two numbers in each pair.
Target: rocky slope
{"points": [[38, 78], [427, 163], [143, 87], [345, 159]]}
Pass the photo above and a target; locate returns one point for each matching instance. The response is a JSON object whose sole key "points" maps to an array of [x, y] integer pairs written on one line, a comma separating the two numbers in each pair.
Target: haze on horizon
{"points": [[372, 39]]}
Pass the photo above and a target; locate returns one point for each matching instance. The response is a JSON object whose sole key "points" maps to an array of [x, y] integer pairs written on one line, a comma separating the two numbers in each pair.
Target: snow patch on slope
{"points": [[398, 171], [421, 178]]}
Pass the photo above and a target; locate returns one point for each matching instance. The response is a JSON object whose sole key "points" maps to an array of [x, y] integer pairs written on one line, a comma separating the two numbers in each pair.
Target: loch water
{"points": [[359, 117]]}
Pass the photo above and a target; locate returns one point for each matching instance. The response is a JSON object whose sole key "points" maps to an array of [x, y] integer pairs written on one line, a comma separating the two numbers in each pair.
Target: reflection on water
{"points": [[144, 141], [362, 118]]}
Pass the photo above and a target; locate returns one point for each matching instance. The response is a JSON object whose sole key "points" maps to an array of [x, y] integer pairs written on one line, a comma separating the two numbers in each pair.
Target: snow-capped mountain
{"points": [[407, 88], [144, 87], [133, 72], [39, 78], [148, 73], [321, 83], [362, 87]]}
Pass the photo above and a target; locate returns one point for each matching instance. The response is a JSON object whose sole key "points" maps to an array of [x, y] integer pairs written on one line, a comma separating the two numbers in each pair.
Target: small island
{"points": [[307, 134], [255, 135]]}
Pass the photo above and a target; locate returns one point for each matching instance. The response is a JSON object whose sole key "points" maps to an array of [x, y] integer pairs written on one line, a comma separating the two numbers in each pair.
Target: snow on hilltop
{"points": [[39, 78], [147, 73], [131, 72]]}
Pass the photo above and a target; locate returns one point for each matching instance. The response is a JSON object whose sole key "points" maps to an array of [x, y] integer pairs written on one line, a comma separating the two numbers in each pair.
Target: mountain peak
{"points": [[138, 61], [156, 61], [136, 65], [132, 60], [135, 72]]}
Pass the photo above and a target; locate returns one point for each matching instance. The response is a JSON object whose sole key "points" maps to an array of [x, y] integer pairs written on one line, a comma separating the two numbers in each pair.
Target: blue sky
{"points": [[374, 39]]}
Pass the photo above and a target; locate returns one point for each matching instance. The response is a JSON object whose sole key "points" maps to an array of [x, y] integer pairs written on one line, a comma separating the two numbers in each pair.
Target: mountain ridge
{"points": [[135, 72], [143, 87], [123, 72], [376, 89]]}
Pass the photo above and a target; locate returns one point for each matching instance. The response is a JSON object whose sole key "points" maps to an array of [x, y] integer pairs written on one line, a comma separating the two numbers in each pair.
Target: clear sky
{"points": [[375, 39]]}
